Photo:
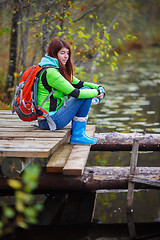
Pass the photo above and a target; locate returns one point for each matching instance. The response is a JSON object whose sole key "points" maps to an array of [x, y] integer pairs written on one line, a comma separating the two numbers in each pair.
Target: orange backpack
{"points": [[24, 102]]}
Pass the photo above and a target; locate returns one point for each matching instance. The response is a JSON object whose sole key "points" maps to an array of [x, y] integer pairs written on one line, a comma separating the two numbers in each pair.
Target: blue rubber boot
{"points": [[78, 134]]}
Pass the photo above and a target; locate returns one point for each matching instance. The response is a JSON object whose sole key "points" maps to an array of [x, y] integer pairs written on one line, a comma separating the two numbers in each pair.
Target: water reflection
{"points": [[132, 104]]}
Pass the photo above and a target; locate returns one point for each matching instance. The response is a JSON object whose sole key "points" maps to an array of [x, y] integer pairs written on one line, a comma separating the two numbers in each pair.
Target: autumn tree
{"points": [[87, 25]]}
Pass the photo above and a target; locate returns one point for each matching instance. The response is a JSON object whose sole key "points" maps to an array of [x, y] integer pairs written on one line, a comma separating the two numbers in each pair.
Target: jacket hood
{"points": [[47, 60]]}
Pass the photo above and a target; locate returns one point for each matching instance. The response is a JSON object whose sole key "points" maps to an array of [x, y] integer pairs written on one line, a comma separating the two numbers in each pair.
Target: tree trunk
{"points": [[24, 35], [13, 51], [123, 141]]}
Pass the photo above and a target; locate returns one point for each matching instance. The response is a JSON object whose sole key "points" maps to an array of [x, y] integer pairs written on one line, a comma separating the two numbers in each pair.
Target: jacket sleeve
{"points": [[78, 84], [57, 81]]}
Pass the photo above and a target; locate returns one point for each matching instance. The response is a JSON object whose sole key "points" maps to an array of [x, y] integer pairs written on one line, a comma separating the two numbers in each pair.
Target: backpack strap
{"points": [[47, 98], [51, 123], [35, 86]]}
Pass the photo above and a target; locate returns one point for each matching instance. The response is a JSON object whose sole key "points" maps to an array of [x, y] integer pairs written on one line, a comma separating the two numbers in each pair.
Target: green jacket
{"points": [[51, 79]]}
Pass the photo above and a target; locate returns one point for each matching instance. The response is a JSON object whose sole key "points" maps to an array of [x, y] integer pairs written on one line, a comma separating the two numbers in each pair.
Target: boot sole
{"points": [[75, 143]]}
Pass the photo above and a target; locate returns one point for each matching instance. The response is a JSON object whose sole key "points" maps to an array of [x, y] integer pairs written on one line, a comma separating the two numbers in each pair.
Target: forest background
{"points": [[99, 32]]}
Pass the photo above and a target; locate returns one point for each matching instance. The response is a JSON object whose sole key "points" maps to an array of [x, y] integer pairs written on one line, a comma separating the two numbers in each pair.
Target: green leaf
{"points": [[22, 224], [119, 42], [116, 54], [1, 224], [38, 206], [134, 37], [20, 206], [25, 197], [8, 212], [59, 27], [30, 212]]}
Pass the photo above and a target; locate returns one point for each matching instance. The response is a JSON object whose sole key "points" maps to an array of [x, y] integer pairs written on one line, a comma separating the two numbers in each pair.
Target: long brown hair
{"points": [[53, 49]]}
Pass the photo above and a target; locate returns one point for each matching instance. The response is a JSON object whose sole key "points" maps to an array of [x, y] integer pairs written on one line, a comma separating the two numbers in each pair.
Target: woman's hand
{"points": [[101, 95]]}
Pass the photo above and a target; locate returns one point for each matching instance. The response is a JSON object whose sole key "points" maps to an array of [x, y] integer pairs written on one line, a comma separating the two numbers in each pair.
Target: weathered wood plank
{"points": [[28, 150], [70, 153], [7, 112], [23, 152], [59, 158], [78, 156], [25, 143], [153, 181], [9, 116], [34, 134], [14, 129], [77, 160], [17, 124]]}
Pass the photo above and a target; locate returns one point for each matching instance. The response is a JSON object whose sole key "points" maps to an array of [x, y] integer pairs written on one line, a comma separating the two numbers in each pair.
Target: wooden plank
{"points": [[148, 181], [38, 139], [15, 125], [28, 129], [59, 158], [77, 159], [25, 143], [23, 139], [20, 124], [20, 129], [8, 116], [5, 111], [34, 134], [23, 152], [133, 164]]}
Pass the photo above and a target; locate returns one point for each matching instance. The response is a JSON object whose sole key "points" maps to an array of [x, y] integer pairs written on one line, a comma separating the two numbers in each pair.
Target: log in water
{"points": [[123, 141]]}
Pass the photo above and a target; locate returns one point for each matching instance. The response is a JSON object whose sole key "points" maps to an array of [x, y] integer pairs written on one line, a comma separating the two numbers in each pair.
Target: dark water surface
{"points": [[132, 105]]}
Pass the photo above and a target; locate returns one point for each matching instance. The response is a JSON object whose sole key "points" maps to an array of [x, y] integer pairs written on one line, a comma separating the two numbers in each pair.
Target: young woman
{"points": [[71, 99]]}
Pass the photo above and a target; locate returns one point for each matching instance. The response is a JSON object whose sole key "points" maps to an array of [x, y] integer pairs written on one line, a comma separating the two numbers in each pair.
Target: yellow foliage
{"points": [[38, 14], [91, 16], [94, 78], [20, 206], [14, 183]]}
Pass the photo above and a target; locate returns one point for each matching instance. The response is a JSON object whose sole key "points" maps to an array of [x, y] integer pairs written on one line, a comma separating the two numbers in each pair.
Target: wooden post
{"points": [[13, 166], [131, 226], [133, 164]]}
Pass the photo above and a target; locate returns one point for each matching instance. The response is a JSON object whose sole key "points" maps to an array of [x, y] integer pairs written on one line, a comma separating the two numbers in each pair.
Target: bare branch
{"points": [[113, 21]]}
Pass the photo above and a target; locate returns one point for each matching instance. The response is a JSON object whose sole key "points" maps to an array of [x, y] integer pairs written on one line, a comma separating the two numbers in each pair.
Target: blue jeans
{"points": [[74, 107]]}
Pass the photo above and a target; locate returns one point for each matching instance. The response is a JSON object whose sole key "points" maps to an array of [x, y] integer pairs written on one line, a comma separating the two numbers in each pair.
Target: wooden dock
{"points": [[21, 142], [74, 185]]}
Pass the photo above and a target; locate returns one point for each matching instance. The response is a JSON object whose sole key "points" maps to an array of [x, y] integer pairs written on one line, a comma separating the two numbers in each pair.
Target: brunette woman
{"points": [[71, 99]]}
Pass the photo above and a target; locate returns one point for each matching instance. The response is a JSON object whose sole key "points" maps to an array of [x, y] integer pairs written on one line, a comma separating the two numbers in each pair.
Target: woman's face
{"points": [[63, 55]]}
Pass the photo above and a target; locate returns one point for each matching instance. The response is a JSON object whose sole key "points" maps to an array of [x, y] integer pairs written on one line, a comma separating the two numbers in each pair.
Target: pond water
{"points": [[132, 105]]}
